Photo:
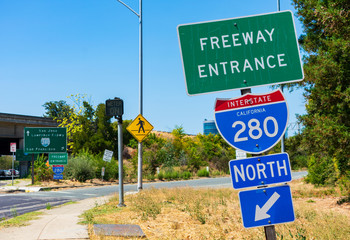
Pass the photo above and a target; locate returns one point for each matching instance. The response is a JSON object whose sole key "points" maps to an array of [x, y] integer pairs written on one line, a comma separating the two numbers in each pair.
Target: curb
{"points": [[11, 189]]}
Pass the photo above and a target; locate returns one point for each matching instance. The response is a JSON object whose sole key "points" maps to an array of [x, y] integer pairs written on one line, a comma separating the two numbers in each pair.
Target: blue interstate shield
{"points": [[253, 123]]}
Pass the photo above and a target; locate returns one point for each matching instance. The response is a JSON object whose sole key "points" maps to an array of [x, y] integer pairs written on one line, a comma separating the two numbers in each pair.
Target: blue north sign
{"points": [[57, 176], [253, 123], [262, 170], [266, 206]]}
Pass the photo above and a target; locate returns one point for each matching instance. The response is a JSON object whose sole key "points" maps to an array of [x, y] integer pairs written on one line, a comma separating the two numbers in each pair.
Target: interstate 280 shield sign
{"points": [[253, 123]]}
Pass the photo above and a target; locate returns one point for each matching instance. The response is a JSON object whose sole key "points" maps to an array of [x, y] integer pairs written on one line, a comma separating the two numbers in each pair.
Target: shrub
{"points": [[186, 175], [175, 175], [217, 173], [150, 177], [168, 175], [81, 167], [6, 162], [319, 171], [41, 171], [203, 173], [161, 176], [111, 168]]}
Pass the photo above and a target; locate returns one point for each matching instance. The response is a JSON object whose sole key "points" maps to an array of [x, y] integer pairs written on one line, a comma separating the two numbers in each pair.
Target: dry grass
{"points": [[187, 213]]}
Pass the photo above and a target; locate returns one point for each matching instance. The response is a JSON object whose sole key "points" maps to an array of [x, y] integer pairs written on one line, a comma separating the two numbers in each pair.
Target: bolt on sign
{"points": [[240, 53], [45, 140], [139, 128]]}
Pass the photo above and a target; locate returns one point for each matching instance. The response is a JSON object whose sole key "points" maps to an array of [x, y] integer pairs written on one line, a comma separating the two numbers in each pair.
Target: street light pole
{"points": [[139, 15], [282, 86]]}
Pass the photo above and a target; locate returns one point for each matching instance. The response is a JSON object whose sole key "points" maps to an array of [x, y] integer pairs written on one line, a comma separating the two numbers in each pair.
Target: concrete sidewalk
{"points": [[57, 223]]}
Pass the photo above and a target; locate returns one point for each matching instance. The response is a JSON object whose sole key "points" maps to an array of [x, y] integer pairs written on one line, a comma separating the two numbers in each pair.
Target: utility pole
{"points": [[139, 15], [283, 137]]}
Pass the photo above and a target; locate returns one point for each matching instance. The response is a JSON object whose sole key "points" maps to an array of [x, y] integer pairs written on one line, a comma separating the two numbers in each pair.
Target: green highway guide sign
{"points": [[58, 158], [240, 53], [45, 140]]}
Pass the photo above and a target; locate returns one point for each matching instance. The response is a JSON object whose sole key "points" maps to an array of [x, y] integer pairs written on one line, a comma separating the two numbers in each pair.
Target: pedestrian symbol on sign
{"points": [[141, 123]]}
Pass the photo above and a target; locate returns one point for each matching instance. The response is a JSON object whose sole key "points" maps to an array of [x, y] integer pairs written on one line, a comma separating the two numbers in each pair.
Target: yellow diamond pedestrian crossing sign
{"points": [[139, 128]]}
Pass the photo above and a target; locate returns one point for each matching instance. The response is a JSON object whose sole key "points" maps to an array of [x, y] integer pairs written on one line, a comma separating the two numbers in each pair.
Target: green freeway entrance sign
{"points": [[58, 158], [45, 140], [240, 53]]}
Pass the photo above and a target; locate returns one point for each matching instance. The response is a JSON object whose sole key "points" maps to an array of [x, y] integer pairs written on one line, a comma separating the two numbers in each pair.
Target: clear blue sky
{"points": [[50, 49]]}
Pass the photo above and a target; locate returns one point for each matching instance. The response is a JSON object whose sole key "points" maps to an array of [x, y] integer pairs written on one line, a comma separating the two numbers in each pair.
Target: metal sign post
{"points": [[139, 15], [120, 157], [13, 150], [32, 168], [115, 108]]}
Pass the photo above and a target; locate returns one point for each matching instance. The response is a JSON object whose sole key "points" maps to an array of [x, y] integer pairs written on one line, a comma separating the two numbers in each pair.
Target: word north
{"points": [[262, 170]]}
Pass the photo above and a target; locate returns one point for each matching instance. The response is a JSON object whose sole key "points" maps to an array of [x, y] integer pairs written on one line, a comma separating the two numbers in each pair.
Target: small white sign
{"points": [[13, 147], [240, 154], [107, 156]]}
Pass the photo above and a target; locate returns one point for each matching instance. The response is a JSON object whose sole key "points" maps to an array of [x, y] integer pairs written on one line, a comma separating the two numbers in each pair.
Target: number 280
{"points": [[255, 132]]}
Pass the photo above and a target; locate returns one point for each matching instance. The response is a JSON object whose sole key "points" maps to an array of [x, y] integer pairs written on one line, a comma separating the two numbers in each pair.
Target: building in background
{"points": [[11, 131], [209, 127]]}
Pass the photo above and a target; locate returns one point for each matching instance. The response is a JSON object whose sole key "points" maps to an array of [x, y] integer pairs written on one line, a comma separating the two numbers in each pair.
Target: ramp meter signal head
{"points": [[114, 107]]}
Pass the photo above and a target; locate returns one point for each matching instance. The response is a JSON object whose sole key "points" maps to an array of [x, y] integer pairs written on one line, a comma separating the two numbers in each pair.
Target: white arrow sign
{"points": [[261, 213]]}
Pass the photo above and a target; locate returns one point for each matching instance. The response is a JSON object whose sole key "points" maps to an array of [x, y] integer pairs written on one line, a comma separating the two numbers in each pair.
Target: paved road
{"points": [[16, 204]]}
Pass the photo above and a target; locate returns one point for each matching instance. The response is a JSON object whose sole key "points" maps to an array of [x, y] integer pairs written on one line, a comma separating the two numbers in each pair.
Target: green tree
{"points": [[87, 127], [57, 109], [326, 43], [103, 135], [6, 162]]}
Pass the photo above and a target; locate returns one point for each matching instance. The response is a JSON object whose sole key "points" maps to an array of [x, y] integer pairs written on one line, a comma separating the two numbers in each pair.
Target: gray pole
{"points": [[282, 140], [270, 232], [32, 168], [139, 169], [13, 165], [120, 161], [141, 60]]}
